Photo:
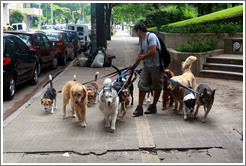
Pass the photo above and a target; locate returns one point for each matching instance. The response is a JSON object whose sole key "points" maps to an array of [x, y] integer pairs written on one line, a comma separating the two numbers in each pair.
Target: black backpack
{"points": [[163, 53]]}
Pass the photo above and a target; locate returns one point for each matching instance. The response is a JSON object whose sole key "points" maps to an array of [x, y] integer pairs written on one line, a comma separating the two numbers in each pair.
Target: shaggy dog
{"points": [[205, 97], [109, 104], [92, 89], [77, 93], [166, 95], [49, 97], [186, 79]]}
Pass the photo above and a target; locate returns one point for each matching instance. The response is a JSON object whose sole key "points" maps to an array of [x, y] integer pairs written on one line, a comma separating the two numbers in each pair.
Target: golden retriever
{"points": [[187, 79], [78, 94]]}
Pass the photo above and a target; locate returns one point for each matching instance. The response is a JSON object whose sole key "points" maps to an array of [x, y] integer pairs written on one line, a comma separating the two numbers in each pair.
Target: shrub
{"points": [[198, 43], [232, 27]]}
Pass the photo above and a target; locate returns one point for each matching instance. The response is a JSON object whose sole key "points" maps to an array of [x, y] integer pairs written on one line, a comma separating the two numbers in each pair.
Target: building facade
{"points": [[30, 10]]}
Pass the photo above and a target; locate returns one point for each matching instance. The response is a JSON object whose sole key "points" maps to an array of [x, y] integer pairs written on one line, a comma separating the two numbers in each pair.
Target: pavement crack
{"points": [[241, 133]]}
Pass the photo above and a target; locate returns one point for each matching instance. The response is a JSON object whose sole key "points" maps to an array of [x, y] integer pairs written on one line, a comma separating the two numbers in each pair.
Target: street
{"points": [[31, 135]]}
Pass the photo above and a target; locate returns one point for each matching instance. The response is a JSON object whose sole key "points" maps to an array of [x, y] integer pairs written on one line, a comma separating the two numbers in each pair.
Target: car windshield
{"points": [[26, 38], [53, 36], [72, 35], [80, 30]]}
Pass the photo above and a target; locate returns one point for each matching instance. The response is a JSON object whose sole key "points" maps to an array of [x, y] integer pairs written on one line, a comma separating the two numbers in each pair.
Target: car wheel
{"points": [[39, 68], [54, 63], [34, 79], [72, 56], [10, 90], [64, 60]]}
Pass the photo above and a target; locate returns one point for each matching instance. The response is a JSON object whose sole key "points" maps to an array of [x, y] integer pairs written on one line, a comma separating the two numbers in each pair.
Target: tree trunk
{"points": [[100, 26], [108, 15]]}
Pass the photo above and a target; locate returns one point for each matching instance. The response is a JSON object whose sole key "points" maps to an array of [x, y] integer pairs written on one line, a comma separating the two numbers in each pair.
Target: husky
{"points": [[109, 104]]}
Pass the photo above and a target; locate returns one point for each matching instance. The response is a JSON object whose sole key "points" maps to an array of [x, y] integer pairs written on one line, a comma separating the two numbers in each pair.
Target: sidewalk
{"points": [[34, 136]]}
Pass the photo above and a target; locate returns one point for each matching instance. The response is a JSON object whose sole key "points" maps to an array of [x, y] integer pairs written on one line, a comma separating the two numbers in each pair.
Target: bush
{"points": [[232, 27], [16, 17], [198, 43], [160, 18]]}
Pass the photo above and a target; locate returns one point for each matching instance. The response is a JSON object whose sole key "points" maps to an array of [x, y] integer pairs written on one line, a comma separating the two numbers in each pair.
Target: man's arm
{"points": [[151, 52]]}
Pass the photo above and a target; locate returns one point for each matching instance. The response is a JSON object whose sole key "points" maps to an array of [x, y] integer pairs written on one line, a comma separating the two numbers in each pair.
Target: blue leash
{"points": [[189, 89], [125, 71]]}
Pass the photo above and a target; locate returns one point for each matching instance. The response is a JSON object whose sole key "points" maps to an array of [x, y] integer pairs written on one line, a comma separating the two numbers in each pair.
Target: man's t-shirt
{"points": [[151, 61]]}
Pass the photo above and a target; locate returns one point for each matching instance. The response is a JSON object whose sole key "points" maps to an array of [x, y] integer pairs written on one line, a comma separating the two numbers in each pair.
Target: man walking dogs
{"points": [[151, 73]]}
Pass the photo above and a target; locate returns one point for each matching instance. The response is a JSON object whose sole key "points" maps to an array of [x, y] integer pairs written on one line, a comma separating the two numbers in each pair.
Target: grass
{"points": [[238, 10]]}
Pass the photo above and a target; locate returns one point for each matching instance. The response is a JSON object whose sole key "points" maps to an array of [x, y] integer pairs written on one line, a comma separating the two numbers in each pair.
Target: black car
{"points": [[73, 35], [20, 64]]}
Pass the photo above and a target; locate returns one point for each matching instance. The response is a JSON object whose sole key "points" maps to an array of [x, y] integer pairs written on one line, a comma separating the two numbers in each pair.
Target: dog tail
{"points": [[186, 65], [96, 76], [107, 81], [135, 77], [51, 84], [74, 78]]}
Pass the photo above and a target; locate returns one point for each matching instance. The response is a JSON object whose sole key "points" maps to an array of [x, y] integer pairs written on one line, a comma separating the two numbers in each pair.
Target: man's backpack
{"points": [[163, 53]]}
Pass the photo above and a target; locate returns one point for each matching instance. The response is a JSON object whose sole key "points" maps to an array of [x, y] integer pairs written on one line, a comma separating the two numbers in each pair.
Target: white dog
{"points": [[109, 104]]}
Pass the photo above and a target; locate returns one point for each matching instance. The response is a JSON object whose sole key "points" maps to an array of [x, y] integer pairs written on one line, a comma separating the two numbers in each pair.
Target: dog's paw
{"points": [[83, 124], [74, 115], [52, 111], [204, 120], [185, 118], [111, 130], [63, 116]]}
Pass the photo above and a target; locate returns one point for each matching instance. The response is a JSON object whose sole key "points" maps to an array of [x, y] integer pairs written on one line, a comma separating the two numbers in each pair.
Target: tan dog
{"points": [[92, 89], [78, 94], [124, 96], [166, 96], [187, 79]]}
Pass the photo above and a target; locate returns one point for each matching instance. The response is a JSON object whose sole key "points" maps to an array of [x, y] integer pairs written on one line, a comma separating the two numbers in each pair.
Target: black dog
{"points": [[121, 83]]}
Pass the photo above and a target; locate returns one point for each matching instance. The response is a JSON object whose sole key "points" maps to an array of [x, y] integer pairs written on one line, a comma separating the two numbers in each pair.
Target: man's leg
{"points": [[156, 98], [141, 97]]}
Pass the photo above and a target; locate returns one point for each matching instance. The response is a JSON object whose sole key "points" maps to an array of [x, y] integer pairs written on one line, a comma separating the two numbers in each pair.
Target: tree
{"points": [[16, 17], [100, 25]]}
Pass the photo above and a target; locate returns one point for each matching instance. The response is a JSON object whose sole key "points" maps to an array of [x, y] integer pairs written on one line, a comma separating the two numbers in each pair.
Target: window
{"points": [[53, 36], [39, 40], [71, 28], [10, 47], [22, 46], [46, 41], [20, 27], [26, 38]]}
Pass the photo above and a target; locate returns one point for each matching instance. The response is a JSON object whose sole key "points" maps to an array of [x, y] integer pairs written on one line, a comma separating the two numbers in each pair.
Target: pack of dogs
{"points": [[114, 96]]}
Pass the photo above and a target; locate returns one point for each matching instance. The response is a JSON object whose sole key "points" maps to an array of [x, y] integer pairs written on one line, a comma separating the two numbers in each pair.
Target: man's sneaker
{"points": [[151, 109], [138, 111]]}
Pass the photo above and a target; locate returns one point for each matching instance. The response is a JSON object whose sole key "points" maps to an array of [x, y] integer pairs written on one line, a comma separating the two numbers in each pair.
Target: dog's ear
{"points": [[213, 93]]}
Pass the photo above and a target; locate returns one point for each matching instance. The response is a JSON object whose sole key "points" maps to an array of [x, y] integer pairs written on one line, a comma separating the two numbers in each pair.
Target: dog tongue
{"points": [[109, 104]]}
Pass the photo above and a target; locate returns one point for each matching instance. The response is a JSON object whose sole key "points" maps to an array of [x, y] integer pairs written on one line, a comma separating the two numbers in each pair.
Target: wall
{"points": [[178, 57]]}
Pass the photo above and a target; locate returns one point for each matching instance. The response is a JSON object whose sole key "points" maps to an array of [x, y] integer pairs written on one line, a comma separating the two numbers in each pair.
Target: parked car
{"points": [[20, 64], [45, 51], [19, 26], [73, 35], [83, 32], [49, 27], [64, 45]]}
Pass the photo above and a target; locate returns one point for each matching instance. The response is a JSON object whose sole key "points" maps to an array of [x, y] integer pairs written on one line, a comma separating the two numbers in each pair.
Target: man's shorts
{"points": [[151, 76]]}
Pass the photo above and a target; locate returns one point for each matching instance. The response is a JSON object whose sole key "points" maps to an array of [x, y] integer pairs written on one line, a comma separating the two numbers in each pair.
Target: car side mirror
{"points": [[33, 52]]}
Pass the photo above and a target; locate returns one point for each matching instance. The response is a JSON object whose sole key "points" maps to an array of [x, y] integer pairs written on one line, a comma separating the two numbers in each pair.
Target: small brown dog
{"points": [[49, 97], [92, 89], [166, 95], [124, 96], [78, 94]]}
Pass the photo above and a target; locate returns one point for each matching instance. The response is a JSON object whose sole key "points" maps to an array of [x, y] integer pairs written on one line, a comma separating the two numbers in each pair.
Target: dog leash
{"points": [[105, 75], [189, 89]]}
